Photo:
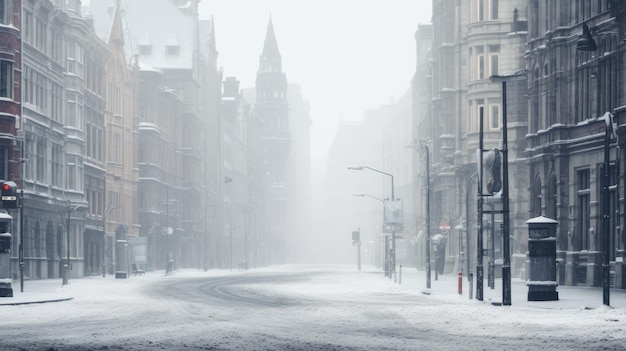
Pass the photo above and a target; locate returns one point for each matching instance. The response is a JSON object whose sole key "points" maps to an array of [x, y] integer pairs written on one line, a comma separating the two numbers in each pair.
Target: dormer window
{"points": [[145, 50], [172, 50]]}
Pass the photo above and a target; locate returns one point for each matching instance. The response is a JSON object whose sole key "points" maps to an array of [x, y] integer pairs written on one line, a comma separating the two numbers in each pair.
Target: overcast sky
{"points": [[347, 55]]}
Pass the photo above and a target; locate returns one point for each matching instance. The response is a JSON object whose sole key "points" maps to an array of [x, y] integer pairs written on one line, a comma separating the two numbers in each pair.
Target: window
{"points": [[56, 167], [3, 11], [75, 58], [6, 11], [583, 215], [494, 53], [145, 50], [172, 50], [75, 173], [6, 79], [493, 13], [72, 119], [480, 62], [40, 160], [486, 10], [494, 117]]}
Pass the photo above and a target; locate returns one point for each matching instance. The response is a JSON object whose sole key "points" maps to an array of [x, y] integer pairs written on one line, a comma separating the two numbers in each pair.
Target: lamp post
{"points": [[382, 201], [66, 270], [393, 198], [427, 215], [230, 222], [609, 134], [372, 196], [506, 250]]}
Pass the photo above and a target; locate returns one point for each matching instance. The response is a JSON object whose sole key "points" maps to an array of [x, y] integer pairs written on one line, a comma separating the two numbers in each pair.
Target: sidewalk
{"points": [[446, 286], [36, 291], [569, 296]]}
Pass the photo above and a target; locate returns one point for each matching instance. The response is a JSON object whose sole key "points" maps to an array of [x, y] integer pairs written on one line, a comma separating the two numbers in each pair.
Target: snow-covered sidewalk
{"points": [[445, 287], [303, 307]]}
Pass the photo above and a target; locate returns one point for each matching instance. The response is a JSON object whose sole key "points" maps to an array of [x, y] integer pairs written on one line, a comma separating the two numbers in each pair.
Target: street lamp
{"points": [[393, 198], [383, 201], [372, 196], [506, 250], [427, 215], [609, 134], [230, 224], [66, 267]]}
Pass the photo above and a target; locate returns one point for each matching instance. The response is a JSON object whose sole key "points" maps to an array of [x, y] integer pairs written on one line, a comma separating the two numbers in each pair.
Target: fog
{"points": [[349, 57]]}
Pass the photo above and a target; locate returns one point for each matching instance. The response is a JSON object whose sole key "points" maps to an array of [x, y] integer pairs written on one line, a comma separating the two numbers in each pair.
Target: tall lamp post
{"points": [[506, 249], [382, 201], [230, 222], [609, 134], [393, 198], [427, 215], [66, 267]]}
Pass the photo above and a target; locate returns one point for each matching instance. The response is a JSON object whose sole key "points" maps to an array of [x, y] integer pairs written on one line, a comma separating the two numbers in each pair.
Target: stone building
{"points": [[572, 86], [471, 41], [62, 96], [10, 105], [175, 116]]}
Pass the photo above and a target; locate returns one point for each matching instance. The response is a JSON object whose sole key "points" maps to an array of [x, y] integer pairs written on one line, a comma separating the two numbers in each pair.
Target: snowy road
{"points": [[294, 308]]}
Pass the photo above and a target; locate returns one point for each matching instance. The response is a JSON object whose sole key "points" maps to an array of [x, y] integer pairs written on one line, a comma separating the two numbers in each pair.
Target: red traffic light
{"points": [[9, 194]]}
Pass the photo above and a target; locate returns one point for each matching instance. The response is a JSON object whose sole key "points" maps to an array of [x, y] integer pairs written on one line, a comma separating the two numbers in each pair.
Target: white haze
{"points": [[348, 55]]}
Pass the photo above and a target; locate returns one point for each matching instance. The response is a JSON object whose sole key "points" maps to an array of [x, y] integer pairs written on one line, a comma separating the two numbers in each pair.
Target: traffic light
{"points": [[9, 194], [494, 184]]}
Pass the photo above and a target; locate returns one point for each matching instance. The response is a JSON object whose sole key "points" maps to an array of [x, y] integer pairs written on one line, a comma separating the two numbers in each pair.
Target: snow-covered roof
{"points": [[168, 29]]}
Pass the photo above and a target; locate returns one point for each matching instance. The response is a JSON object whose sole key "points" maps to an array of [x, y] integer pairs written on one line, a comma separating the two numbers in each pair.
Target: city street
{"points": [[301, 307]]}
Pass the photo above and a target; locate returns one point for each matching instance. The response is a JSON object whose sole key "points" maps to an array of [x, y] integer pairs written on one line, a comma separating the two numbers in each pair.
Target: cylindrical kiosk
{"points": [[542, 280], [121, 253]]}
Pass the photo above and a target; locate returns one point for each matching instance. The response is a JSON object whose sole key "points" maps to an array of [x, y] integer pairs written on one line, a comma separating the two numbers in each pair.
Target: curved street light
{"points": [[372, 196], [393, 231]]}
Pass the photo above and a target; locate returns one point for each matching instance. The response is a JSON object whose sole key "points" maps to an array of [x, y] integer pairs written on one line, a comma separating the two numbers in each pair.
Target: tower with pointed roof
{"points": [[272, 108]]}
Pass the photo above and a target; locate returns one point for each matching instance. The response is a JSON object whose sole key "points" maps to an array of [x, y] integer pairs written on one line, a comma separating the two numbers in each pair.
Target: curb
{"points": [[34, 302]]}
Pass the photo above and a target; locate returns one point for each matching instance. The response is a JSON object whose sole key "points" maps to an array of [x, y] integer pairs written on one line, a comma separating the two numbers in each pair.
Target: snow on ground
{"points": [[336, 306]]}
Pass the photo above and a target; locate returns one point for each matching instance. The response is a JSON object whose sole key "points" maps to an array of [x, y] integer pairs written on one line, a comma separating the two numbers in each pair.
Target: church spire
{"points": [[116, 36], [270, 58]]}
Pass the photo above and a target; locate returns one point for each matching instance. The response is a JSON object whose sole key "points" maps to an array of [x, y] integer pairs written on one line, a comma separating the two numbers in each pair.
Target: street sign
{"points": [[389, 228]]}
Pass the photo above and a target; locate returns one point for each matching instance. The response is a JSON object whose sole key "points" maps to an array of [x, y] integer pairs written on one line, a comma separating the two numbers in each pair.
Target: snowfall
{"points": [[302, 307]]}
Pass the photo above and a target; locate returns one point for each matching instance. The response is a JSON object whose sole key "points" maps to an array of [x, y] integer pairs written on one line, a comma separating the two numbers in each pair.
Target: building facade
{"points": [[571, 88], [11, 119], [58, 98]]}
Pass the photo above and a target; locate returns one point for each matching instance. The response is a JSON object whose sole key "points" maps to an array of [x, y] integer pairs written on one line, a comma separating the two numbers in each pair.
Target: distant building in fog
{"points": [[272, 108]]}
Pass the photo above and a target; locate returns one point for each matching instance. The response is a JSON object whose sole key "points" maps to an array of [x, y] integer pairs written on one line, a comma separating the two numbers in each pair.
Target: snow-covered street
{"points": [[301, 307]]}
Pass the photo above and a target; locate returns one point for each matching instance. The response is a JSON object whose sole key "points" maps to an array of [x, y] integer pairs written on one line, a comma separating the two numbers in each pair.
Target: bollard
{"points": [[471, 285], [400, 276], [460, 288]]}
